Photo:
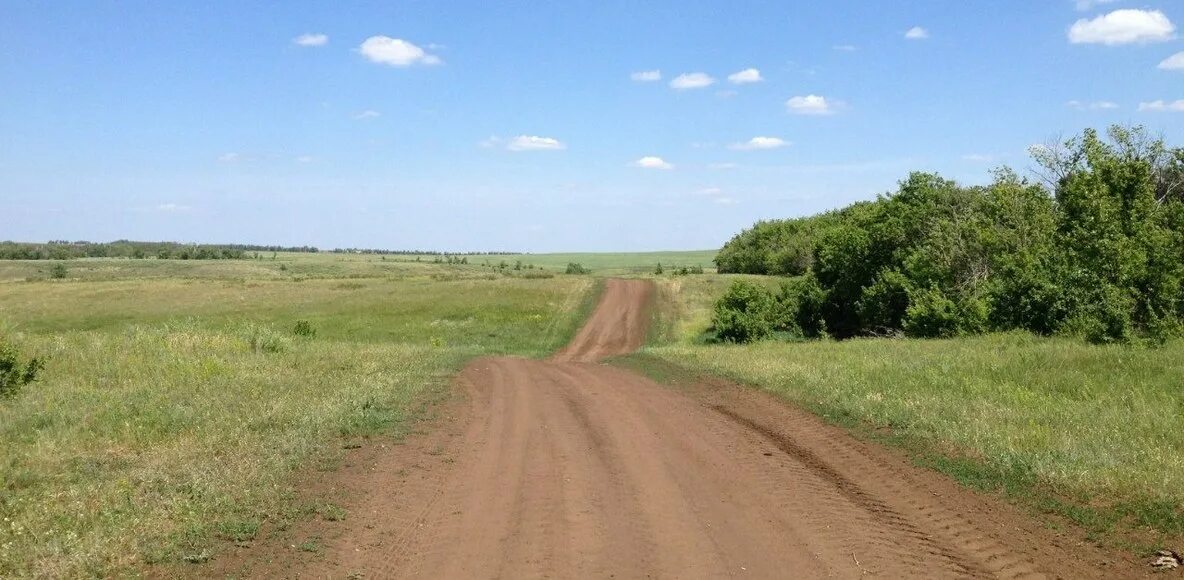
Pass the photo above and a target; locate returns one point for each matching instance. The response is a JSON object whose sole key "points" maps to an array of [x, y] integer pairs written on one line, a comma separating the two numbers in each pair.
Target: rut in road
{"points": [[571, 468]]}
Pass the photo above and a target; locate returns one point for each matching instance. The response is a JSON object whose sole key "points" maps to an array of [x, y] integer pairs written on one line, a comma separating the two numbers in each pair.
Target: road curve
{"points": [[567, 468]]}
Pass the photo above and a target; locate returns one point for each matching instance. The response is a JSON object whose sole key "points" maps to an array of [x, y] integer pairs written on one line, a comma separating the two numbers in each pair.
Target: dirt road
{"points": [[567, 468]]}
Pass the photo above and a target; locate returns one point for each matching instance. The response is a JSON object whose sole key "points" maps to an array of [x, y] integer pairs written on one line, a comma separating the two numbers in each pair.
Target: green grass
{"points": [[608, 263], [177, 400], [1092, 433]]}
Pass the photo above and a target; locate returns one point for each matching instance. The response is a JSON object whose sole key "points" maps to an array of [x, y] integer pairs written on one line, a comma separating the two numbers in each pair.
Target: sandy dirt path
{"points": [[568, 468]]}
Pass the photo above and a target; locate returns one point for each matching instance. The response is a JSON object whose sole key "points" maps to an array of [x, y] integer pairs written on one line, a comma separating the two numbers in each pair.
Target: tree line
{"points": [[1094, 248], [67, 250]]}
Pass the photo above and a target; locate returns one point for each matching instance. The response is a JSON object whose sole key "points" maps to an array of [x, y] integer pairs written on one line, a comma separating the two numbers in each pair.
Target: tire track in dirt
{"points": [[570, 468]]}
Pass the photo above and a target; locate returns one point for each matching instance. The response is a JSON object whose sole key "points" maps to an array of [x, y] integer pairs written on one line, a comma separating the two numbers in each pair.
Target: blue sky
{"points": [[531, 125]]}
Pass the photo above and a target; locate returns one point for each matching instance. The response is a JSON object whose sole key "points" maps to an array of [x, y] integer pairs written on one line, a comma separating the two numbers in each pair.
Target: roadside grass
{"points": [[172, 412], [1091, 433]]}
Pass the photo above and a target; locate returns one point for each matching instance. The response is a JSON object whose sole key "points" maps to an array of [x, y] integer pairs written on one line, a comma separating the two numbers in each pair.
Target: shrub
{"points": [[15, 373], [264, 339], [744, 313], [658, 270], [574, 268], [304, 328], [57, 271]]}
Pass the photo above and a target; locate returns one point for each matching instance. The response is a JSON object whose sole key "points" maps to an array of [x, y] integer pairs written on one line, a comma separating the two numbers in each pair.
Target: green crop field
{"points": [[1091, 433], [177, 398]]}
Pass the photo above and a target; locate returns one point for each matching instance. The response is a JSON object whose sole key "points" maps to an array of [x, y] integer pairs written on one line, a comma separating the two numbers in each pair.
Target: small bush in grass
{"points": [[57, 271], [264, 339], [15, 373], [574, 268], [304, 328], [658, 271]]}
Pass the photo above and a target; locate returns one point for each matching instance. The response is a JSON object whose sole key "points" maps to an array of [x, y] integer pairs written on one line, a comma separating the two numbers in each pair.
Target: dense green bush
{"points": [[744, 313], [1098, 251], [15, 372], [574, 268]]}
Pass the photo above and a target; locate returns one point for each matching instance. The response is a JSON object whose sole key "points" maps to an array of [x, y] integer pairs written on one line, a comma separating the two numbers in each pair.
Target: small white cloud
{"points": [[1163, 106], [709, 191], [845, 47], [646, 76], [229, 157], [725, 201], [1084, 5], [395, 52], [1091, 106], [173, 208], [978, 158], [533, 143], [811, 105], [1123, 27], [311, 40], [692, 81], [722, 166], [304, 159], [759, 143], [916, 33], [367, 114], [650, 162], [1174, 62], [746, 76]]}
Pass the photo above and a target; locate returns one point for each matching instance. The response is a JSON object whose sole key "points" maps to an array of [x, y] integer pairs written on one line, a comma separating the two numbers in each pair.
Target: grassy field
{"points": [[601, 263], [177, 401], [1092, 433]]}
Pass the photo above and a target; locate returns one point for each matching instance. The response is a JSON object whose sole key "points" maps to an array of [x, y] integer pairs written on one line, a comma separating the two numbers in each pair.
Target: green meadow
{"points": [[179, 397]]}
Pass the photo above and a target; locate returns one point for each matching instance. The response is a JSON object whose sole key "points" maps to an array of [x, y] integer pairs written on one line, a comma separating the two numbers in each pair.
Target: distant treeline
{"points": [[65, 250], [416, 252], [1097, 250]]}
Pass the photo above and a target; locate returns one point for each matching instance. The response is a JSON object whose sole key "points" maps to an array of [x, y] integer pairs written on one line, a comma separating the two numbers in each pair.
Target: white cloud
{"points": [[759, 143], [1091, 106], [725, 201], [916, 33], [304, 159], [709, 191], [395, 52], [811, 105], [1174, 62], [1084, 5], [229, 157], [533, 143], [692, 81], [748, 75], [173, 208], [1163, 106], [1123, 27], [646, 76], [845, 47], [311, 40], [650, 162], [367, 114]]}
